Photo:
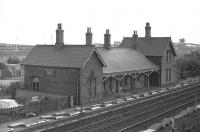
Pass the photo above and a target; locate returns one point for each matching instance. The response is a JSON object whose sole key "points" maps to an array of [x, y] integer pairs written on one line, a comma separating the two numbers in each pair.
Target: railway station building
{"points": [[88, 73], [159, 50]]}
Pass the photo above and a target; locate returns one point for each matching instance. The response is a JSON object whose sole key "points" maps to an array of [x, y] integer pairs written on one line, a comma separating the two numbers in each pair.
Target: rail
{"points": [[118, 118]]}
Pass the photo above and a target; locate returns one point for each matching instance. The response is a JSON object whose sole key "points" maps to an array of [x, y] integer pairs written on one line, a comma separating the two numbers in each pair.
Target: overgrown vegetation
{"points": [[2, 66], [13, 60], [189, 65], [10, 90]]}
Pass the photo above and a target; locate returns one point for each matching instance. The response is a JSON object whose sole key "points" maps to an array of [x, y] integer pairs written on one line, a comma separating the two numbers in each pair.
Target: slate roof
{"points": [[73, 56], [124, 60], [154, 46]]}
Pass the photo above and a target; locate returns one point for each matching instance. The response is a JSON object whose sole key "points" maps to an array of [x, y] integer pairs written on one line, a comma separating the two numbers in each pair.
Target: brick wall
{"points": [[62, 82], [165, 65], [93, 65]]}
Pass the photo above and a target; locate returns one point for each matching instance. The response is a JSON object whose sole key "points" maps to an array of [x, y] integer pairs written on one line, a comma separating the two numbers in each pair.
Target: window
{"points": [[92, 90], [170, 56], [169, 74], [35, 84], [167, 56], [166, 74], [104, 85]]}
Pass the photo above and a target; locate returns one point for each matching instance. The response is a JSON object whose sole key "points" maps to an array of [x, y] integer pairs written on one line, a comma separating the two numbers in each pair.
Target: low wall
{"points": [[30, 94]]}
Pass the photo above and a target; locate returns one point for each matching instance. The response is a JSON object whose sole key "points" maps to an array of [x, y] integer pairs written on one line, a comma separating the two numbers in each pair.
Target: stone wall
{"points": [[165, 65], [52, 80], [91, 75]]}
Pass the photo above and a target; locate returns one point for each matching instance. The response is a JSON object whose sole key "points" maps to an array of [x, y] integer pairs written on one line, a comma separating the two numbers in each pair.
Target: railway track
{"points": [[73, 123], [121, 119], [143, 124]]}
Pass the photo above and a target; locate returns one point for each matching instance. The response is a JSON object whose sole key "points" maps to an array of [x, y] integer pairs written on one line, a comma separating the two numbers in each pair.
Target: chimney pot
{"points": [[89, 30], [148, 31], [88, 36], [59, 36], [59, 26], [134, 39], [107, 31], [107, 37]]}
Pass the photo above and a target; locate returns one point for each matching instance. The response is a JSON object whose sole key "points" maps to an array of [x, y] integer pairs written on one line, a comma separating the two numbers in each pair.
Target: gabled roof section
{"points": [[155, 46], [72, 56], [125, 60], [173, 48]]}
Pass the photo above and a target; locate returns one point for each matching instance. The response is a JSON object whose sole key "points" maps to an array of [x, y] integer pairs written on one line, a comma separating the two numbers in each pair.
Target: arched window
{"points": [[92, 91], [35, 84]]}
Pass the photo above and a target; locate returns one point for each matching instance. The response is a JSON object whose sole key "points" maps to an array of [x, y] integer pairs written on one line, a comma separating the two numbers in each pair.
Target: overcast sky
{"points": [[35, 21]]}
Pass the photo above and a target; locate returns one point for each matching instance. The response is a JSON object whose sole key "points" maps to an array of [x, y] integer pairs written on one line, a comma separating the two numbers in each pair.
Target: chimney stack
{"points": [[135, 35], [88, 36], [148, 31], [107, 39], [135, 39], [59, 36]]}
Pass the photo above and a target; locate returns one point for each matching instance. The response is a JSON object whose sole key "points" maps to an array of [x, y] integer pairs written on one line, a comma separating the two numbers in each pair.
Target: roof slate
{"points": [[154, 46], [124, 60], [73, 56]]}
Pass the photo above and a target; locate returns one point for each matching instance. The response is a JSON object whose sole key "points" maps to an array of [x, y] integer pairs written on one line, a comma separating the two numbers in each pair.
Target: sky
{"points": [[35, 21]]}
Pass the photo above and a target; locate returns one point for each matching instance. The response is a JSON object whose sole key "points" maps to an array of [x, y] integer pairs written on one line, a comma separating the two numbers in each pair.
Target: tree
{"points": [[13, 60], [2, 66], [12, 89], [3, 91], [190, 63]]}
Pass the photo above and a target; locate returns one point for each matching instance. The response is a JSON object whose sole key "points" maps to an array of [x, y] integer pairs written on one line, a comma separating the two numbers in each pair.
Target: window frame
{"points": [[169, 74], [35, 83], [166, 74]]}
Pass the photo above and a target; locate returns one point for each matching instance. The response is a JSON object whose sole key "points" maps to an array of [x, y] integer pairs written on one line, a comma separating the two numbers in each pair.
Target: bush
{"points": [[2, 66], [12, 89], [14, 60]]}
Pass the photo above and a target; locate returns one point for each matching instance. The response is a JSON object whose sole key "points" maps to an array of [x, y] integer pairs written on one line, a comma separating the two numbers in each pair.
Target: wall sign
{"points": [[50, 72]]}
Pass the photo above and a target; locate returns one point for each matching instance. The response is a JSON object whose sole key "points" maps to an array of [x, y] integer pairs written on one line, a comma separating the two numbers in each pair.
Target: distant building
{"points": [[182, 40], [116, 43]]}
